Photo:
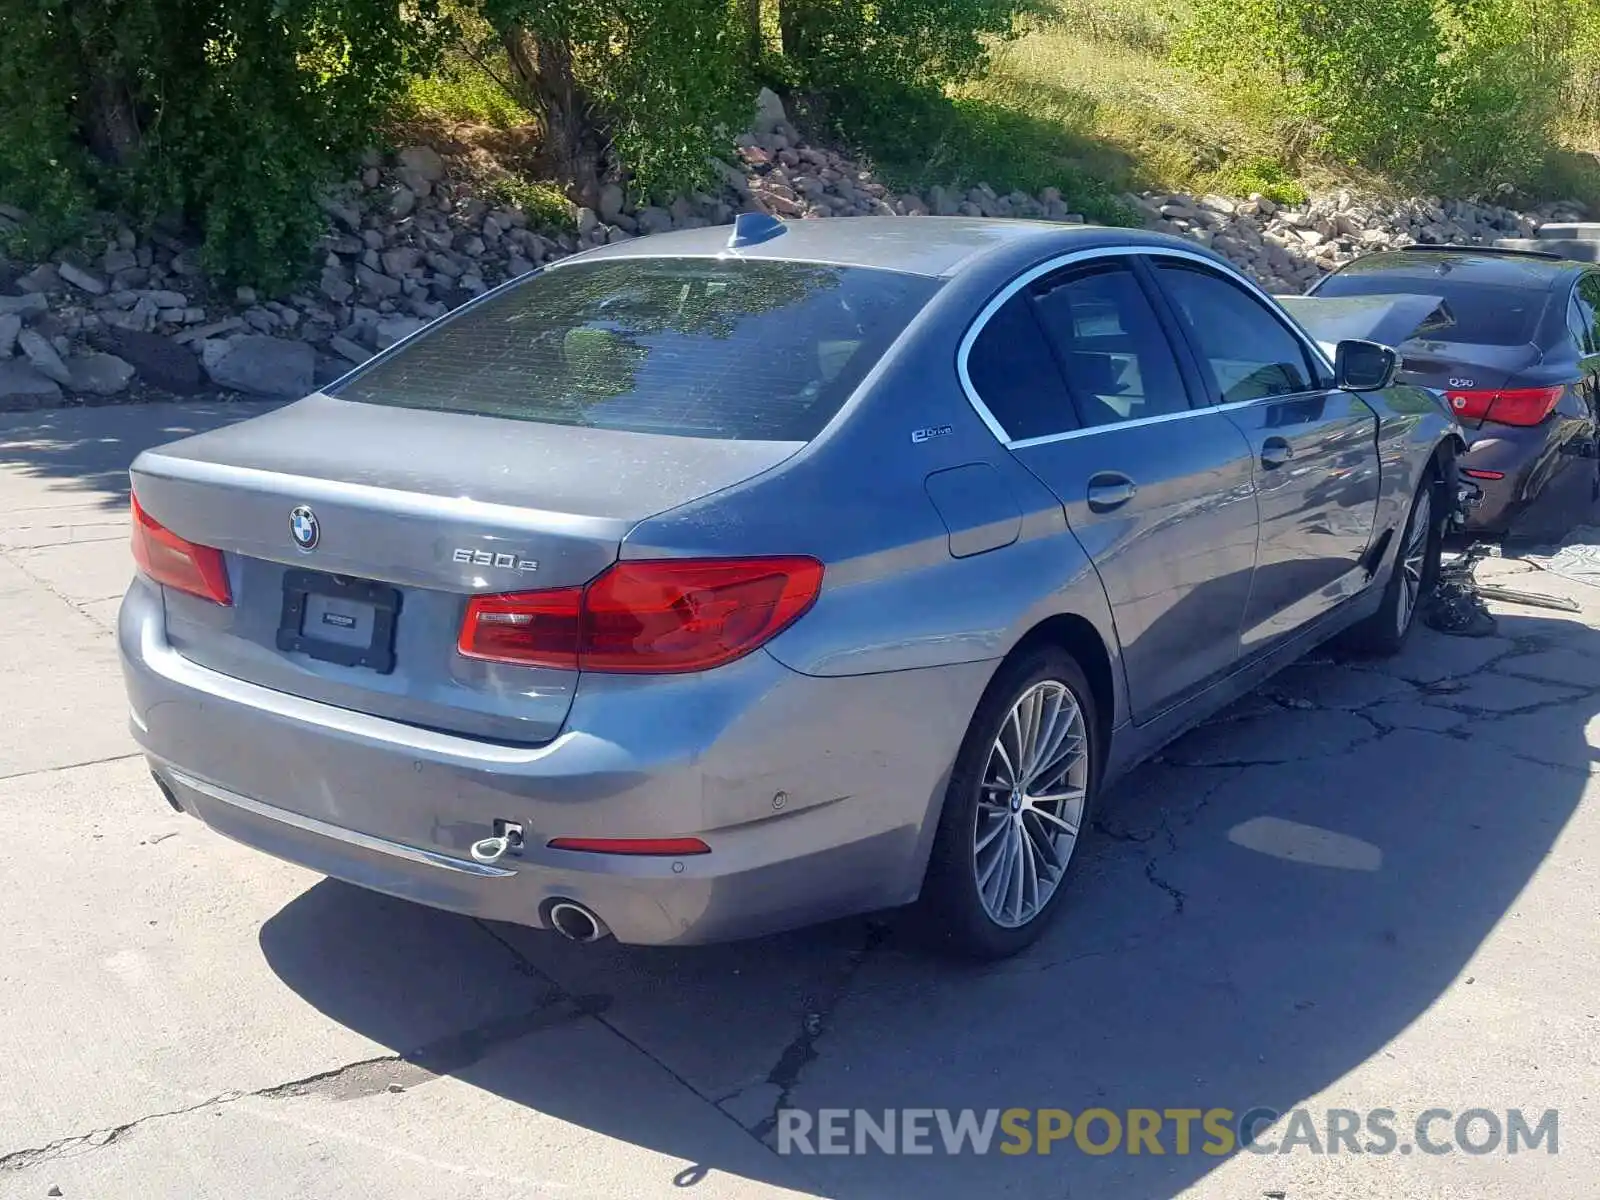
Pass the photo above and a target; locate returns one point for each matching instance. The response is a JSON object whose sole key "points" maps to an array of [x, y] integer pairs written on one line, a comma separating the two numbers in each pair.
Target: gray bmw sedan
{"points": [[720, 582]]}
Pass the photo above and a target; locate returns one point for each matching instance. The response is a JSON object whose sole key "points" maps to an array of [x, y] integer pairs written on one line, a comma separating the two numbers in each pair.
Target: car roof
{"points": [[1467, 266], [935, 246]]}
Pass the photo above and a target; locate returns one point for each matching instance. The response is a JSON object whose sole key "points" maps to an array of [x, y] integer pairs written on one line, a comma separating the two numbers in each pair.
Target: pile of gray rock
{"points": [[1288, 248], [409, 240]]}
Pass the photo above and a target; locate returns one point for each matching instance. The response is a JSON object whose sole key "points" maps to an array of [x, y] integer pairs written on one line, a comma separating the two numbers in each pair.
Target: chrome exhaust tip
{"points": [[575, 922]]}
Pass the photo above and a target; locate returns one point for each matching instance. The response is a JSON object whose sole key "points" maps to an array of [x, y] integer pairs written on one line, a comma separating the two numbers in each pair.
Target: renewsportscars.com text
{"points": [[1216, 1132]]}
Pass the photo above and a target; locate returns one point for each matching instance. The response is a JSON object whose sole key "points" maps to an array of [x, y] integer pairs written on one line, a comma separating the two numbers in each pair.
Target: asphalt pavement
{"points": [[1366, 887]]}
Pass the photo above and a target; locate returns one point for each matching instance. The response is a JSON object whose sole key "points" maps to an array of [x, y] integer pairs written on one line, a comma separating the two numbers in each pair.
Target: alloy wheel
{"points": [[1030, 804], [1414, 560]]}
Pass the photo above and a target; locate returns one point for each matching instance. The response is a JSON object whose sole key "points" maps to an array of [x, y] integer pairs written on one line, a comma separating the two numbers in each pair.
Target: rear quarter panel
{"points": [[895, 597]]}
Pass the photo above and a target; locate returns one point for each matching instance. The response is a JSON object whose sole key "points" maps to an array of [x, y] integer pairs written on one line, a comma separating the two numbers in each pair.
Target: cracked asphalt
{"points": [[1365, 886]]}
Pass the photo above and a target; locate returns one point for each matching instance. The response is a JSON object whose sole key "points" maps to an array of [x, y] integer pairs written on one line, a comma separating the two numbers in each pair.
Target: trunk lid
{"points": [[1407, 323], [1459, 365], [436, 506], [1389, 320]]}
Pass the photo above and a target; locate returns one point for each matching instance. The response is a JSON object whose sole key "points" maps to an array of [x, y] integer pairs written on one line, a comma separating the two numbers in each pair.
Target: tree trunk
{"points": [[793, 20], [107, 118], [544, 73], [752, 16]]}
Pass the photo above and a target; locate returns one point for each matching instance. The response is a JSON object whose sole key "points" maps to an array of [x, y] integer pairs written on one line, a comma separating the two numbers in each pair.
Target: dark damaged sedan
{"points": [[1515, 347]]}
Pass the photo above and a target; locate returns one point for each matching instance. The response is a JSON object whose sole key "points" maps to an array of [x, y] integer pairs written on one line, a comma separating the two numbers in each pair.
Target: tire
{"points": [[1411, 579], [1000, 857]]}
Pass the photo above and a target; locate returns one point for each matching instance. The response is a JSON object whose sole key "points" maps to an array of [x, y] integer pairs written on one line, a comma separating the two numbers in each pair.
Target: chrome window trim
{"points": [[1226, 270]]}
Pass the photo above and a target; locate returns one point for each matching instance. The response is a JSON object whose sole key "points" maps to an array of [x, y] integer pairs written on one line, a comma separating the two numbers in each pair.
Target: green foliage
{"points": [[1454, 93], [877, 64], [42, 168], [543, 202], [886, 76], [678, 87], [1503, 79], [842, 45], [468, 90], [1144, 25], [1583, 68], [966, 141], [231, 114], [1267, 176], [664, 82], [228, 113], [1363, 70], [471, 80]]}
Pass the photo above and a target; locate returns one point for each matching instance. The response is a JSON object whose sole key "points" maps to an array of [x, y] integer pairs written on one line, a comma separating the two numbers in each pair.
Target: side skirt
{"points": [[1132, 744]]}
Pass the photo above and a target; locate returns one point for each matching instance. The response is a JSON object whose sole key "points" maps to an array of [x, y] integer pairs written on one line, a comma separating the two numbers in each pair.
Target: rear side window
{"points": [[1483, 314], [692, 347], [1249, 351], [1016, 377], [1578, 326], [1587, 299], [1117, 359]]}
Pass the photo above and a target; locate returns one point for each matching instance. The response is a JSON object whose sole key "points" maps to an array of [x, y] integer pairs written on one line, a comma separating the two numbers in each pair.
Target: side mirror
{"points": [[1364, 366]]}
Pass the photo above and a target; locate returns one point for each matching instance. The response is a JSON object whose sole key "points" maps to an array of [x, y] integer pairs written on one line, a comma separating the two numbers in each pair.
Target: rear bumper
{"points": [[1526, 458], [859, 762]]}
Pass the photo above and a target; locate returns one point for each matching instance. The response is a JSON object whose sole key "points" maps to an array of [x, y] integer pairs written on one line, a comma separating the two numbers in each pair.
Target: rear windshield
{"points": [[1485, 314], [708, 348]]}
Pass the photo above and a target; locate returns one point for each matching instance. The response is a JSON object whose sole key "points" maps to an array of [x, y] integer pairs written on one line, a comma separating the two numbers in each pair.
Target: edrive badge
{"points": [[304, 528]]}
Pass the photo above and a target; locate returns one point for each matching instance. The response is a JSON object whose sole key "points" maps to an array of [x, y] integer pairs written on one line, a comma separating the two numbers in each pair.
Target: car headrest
{"points": [[1097, 374]]}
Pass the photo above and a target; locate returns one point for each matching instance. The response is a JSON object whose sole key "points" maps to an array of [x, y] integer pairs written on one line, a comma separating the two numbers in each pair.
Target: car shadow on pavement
{"points": [[1262, 911], [89, 448]]}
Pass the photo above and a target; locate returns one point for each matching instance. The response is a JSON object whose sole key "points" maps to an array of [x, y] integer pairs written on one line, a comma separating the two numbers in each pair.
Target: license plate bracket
{"points": [[343, 609]]}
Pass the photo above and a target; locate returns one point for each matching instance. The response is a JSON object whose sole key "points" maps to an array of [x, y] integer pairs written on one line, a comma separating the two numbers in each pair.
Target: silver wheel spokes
{"points": [[1414, 560], [1030, 804]]}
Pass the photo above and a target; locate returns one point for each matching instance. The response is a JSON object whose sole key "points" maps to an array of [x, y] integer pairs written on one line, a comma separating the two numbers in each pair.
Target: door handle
{"points": [[1109, 490], [1275, 451]]}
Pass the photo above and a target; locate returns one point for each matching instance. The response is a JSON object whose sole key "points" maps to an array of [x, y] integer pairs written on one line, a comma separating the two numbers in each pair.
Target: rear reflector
{"points": [[656, 617], [1508, 406], [176, 563], [1468, 471], [665, 847]]}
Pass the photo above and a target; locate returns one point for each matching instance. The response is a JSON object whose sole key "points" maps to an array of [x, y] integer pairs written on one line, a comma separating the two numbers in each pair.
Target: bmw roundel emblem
{"points": [[304, 528]]}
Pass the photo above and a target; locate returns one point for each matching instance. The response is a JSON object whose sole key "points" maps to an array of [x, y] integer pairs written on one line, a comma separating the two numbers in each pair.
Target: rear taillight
{"points": [[535, 628], [176, 563], [654, 617], [1508, 406]]}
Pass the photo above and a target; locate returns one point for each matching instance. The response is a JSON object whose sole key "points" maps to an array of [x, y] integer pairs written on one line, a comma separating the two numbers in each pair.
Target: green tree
{"points": [[228, 113], [865, 58], [655, 85], [1361, 71], [1457, 93]]}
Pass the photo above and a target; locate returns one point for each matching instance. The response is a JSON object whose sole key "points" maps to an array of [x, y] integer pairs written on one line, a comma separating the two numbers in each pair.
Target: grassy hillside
{"points": [[1099, 71], [1092, 91], [1089, 98]]}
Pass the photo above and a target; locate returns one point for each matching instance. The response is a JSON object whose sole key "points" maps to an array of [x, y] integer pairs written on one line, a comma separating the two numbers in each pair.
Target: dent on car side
{"points": [[1412, 426]]}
